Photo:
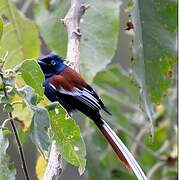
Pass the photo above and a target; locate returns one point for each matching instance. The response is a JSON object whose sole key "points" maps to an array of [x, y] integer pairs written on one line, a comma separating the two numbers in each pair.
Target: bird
{"points": [[65, 85]]}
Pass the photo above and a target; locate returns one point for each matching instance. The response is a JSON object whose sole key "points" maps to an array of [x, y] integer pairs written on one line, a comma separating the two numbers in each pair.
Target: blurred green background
{"points": [[132, 69]]}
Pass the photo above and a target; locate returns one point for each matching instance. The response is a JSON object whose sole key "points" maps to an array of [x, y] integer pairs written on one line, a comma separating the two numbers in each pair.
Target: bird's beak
{"points": [[41, 63]]}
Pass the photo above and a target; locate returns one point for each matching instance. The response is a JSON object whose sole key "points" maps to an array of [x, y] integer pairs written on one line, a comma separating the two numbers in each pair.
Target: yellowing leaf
{"points": [[174, 153], [160, 108], [40, 167], [23, 113], [161, 134]]}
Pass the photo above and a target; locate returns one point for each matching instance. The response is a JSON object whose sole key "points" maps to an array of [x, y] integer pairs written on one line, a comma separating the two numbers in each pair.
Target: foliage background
{"points": [[133, 71]]}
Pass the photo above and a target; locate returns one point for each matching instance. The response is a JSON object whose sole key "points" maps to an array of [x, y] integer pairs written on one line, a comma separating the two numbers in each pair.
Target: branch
{"points": [[54, 167], [71, 21], [20, 149]]}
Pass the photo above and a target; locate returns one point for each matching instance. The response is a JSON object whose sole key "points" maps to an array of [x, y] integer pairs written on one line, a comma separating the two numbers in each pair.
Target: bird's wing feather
{"points": [[69, 82], [82, 95]]}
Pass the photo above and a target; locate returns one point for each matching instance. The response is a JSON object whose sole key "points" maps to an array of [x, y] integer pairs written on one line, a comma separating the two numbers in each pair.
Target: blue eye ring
{"points": [[52, 62]]}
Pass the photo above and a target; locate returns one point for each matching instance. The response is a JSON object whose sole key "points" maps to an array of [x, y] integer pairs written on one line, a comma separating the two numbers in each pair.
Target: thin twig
{"points": [[21, 152], [139, 138], [5, 123], [71, 21], [154, 169]]}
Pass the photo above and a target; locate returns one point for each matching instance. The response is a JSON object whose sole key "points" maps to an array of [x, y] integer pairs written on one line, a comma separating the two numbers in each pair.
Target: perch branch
{"points": [[71, 21], [54, 167]]}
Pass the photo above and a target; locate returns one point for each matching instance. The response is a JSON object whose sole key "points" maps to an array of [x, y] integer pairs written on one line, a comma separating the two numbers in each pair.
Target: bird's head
{"points": [[51, 64]]}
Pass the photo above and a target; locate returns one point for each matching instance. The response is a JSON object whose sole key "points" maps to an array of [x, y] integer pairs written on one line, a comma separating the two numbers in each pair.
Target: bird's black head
{"points": [[51, 64]]}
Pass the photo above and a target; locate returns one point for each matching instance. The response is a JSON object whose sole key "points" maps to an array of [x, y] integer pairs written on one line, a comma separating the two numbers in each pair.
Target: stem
{"points": [[138, 138], [5, 122], [21, 152], [20, 149], [154, 169]]}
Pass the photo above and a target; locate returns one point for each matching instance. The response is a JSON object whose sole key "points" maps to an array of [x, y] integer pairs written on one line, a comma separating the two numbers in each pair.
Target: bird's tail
{"points": [[121, 150]]}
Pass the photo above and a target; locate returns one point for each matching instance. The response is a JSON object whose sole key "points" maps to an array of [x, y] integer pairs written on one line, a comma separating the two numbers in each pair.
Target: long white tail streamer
{"points": [[129, 157]]}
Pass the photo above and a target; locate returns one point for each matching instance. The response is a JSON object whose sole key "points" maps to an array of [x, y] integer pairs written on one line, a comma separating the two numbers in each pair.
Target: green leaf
{"points": [[5, 131], [1, 86], [100, 25], [100, 28], [68, 139], [1, 27], [22, 135], [51, 28], [154, 48], [20, 37], [160, 137], [40, 121], [8, 108], [33, 75], [130, 4], [161, 134], [39, 128], [7, 170]]}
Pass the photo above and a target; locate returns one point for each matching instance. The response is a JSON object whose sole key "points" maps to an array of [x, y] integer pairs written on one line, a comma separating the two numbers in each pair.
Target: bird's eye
{"points": [[53, 62]]}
